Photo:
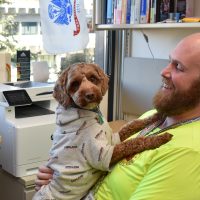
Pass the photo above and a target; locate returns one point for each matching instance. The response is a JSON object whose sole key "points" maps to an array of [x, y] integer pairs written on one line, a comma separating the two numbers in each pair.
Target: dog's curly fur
{"points": [[84, 85]]}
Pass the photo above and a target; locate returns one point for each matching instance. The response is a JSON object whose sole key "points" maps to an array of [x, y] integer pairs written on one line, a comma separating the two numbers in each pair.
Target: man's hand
{"points": [[44, 176]]}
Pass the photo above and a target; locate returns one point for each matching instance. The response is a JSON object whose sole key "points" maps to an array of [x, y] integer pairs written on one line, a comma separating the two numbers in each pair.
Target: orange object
{"points": [[8, 69], [191, 19]]}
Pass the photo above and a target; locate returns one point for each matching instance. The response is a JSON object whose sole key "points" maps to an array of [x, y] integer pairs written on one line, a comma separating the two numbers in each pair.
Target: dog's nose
{"points": [[90, 96]]}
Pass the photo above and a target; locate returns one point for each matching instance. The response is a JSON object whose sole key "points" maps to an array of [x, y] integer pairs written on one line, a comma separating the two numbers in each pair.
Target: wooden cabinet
{"points": [[13, 188]]}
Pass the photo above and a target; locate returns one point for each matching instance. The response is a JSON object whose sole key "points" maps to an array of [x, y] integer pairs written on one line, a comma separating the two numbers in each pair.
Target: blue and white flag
{"points": [[64, 26]]}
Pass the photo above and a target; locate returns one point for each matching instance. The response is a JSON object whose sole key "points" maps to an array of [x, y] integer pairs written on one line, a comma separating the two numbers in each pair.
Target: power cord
{"points": [[147, 41]]}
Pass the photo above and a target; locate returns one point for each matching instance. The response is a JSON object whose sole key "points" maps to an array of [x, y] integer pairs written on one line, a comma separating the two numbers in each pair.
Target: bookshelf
{"points": [[147, 26], [130, 42], [100, 21]]}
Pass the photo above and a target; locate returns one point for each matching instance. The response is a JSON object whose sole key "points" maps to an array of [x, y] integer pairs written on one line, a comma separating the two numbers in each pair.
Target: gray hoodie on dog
{"points": [[81, 151]]}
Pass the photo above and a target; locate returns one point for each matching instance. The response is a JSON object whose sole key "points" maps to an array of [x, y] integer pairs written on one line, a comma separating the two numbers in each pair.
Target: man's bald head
{"points": [[190, 48]]}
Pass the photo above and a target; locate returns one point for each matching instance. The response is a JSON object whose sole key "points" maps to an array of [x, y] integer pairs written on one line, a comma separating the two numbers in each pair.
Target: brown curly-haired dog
{"points": [[83, 143], [84, 85]]}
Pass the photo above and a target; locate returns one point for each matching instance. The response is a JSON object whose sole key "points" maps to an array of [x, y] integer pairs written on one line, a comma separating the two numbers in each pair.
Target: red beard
{"points": [[178, 101]]}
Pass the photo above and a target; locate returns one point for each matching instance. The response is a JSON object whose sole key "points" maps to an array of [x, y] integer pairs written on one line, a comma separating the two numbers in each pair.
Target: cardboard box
{"points": [[116, 125]]}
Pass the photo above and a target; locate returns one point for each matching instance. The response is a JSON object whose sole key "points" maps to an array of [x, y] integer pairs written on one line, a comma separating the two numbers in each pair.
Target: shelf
{"points": [[147, 26]]}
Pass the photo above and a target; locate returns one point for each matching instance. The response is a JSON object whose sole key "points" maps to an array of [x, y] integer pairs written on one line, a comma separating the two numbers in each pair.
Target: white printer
{"points": [[27, 121]]}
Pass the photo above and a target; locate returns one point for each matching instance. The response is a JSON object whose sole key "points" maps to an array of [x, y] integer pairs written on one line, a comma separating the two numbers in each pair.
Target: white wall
{"points": [[161, 41]]}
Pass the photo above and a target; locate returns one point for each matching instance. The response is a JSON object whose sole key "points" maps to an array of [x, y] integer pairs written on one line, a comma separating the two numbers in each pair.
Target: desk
{"points": [[23, 188]]}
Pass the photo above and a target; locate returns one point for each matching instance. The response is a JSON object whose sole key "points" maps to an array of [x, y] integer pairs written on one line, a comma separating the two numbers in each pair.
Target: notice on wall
{"points": [[23, 65]]}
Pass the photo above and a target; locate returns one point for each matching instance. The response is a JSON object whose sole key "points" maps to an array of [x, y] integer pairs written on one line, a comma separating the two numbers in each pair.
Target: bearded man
{"points": [[172, 171]]}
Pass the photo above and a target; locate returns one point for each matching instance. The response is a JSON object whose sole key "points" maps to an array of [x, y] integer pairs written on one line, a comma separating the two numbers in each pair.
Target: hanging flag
{"points": [[64, 26]]}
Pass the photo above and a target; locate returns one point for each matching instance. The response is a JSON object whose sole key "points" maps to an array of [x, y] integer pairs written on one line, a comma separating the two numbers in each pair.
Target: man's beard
{"points": [[177, 102]]}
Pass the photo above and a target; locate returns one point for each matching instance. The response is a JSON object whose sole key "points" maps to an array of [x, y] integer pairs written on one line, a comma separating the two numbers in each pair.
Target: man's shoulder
{"points": [[148, 113]]}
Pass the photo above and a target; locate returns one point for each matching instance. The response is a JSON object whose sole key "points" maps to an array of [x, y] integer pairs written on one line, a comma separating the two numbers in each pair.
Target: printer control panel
{"points": [[17, 97]]}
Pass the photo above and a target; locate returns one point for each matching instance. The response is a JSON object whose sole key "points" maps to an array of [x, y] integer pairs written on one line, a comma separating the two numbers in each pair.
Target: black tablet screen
{"points": [[17, 97]]}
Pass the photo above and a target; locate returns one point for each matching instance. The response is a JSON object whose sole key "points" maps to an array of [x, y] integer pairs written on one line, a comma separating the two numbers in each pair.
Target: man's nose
{"points": [[166, 72]]}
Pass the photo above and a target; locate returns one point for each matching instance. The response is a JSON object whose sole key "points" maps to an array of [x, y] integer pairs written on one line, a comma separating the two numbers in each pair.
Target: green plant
{"points": [[87, 55], [8, 29]]}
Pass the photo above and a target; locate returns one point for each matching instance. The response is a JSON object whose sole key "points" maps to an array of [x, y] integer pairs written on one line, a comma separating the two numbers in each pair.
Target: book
{"points": [[152, 11], [148, 11], [132, 11], [115, 11], [124, 11], [143, 14], [136, 12], [118, 12], [128, 12], [157, 10], [145, 11], [110, 9]]}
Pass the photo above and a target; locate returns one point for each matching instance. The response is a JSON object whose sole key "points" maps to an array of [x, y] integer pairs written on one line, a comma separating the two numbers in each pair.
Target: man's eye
{"points": [[179, 67]]}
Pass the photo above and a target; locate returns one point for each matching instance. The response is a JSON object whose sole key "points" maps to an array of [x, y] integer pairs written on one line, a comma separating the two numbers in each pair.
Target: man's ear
{"points": [[60, 91]]}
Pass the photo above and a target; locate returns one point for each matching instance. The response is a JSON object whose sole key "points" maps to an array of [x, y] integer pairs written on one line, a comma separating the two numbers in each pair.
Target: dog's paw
{"points": [[155, 141], [165, 136]]}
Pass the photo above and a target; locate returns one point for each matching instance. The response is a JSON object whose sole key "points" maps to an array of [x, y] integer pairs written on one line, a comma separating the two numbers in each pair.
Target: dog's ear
{"points": [[60, 91], [104, 87], [104, 80]]}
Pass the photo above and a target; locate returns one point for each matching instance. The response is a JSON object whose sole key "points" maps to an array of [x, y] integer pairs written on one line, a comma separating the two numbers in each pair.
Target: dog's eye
{"points": [[93, 79], [74, 85]]}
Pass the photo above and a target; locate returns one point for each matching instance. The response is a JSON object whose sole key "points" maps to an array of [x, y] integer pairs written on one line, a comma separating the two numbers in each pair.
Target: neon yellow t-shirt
{"points": [[171, 172]]}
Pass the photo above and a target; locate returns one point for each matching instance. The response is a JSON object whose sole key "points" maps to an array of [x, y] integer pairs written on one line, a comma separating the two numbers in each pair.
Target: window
{"points": [[28, 36], [29, 28]]}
